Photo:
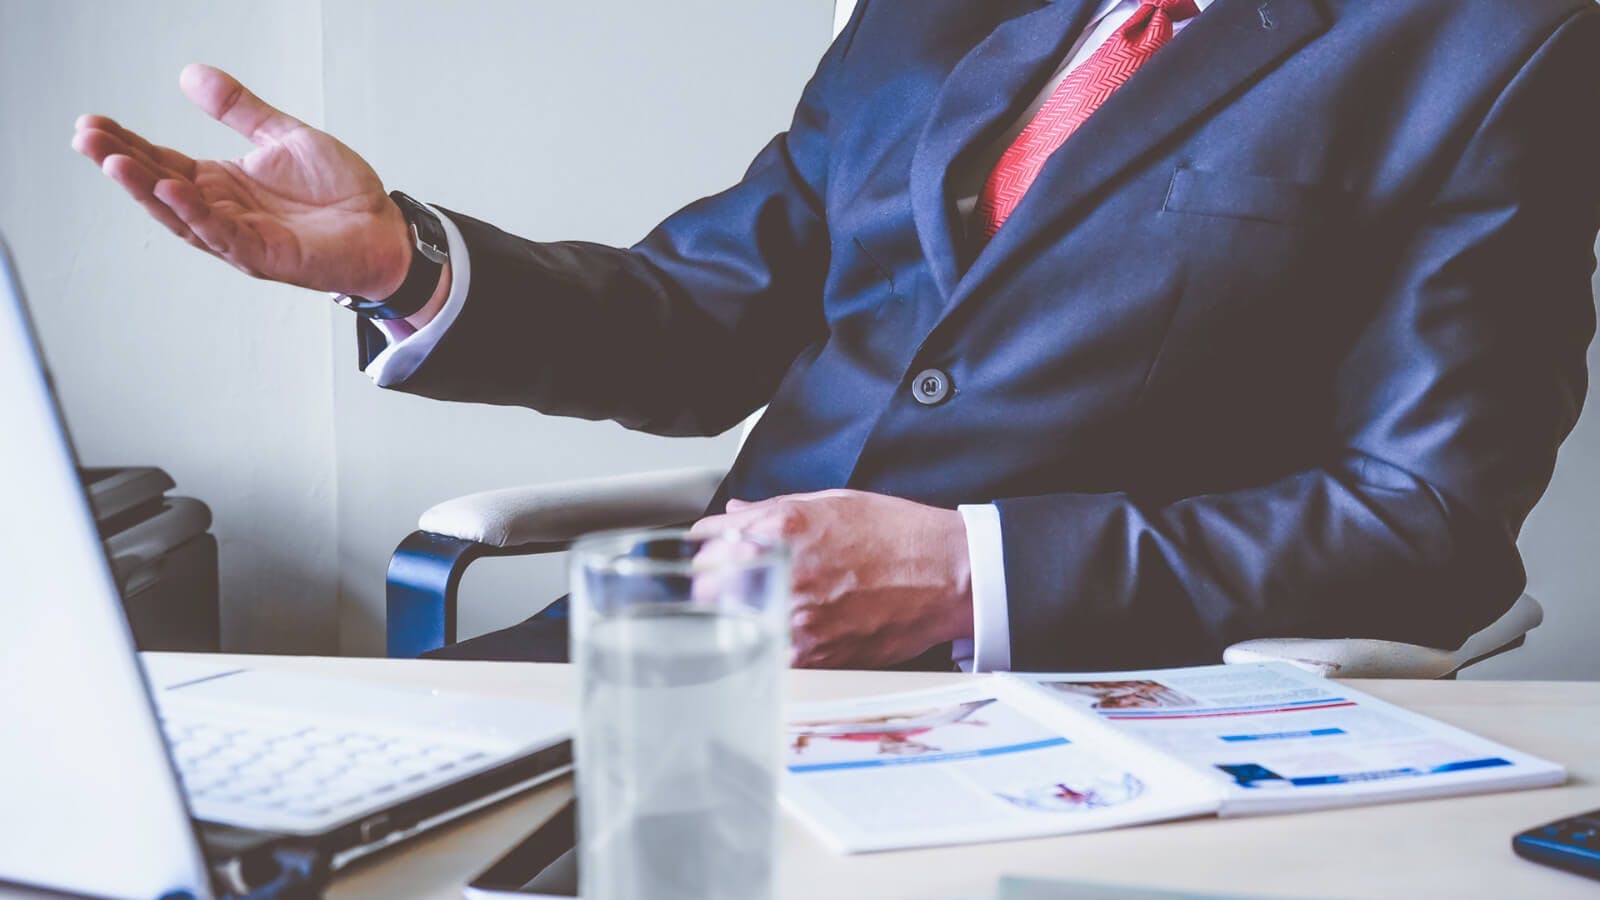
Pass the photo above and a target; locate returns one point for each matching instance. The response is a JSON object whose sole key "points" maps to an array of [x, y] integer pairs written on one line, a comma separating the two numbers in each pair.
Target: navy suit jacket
{"points": [[1281, 343]]}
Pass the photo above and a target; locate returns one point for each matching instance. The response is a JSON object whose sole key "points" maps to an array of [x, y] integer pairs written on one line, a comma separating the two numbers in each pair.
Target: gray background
{"points": [[588, 120]]}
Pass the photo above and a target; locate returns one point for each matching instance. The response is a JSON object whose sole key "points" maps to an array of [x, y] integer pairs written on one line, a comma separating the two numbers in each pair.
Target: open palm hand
{"points": [[300, 208]]}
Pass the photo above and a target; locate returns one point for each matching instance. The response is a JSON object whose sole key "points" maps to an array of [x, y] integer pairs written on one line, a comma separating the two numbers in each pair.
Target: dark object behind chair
{"points": [[164, 559]]}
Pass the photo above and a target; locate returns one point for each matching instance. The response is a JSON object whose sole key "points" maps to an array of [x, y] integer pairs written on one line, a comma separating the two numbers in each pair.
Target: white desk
{"points": [[1443, 848]]}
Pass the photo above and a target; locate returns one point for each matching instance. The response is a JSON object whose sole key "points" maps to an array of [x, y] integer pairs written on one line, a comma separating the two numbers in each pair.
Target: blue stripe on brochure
{"points": [[1282, 735], [932, 757], [1407, 772], [1465, 765], [1219, 709]]}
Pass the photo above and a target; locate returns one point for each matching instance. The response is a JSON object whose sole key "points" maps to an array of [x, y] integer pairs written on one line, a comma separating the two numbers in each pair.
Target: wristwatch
{"points": [[430, 251]]}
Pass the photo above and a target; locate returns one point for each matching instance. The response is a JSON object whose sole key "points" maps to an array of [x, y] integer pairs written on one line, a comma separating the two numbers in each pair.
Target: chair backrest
{"points": [[747, 426], [841, 14]]}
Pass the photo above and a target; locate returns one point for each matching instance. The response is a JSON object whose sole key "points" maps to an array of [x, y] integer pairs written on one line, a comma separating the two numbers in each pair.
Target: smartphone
{"points": [[1572, 844], [544, 866]]}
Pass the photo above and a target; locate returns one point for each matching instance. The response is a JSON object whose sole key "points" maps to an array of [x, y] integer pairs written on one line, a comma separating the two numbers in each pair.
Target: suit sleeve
{"points": [[1449, 410], [685, 333]]}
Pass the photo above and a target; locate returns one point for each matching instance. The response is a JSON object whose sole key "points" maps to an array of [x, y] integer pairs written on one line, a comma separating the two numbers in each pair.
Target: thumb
{"points": [[223, 98], [738, 504]]}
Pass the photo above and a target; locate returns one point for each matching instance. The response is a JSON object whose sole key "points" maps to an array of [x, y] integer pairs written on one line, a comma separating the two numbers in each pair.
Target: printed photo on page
{"points": [[965, 764], [1279, 738]]}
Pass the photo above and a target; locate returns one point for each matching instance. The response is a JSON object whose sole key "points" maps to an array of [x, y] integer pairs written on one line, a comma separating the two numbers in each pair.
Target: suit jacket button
{"points": [[931, 387]]}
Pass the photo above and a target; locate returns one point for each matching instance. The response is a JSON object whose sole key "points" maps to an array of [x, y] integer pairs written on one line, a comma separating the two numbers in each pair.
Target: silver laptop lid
{"points": [[90, 801]]}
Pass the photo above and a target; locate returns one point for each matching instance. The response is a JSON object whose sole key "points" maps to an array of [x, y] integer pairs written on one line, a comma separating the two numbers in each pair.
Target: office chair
{"points": [[426, 570]]}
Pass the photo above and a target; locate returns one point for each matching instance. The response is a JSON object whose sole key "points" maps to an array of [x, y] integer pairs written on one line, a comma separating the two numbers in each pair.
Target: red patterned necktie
{"points": [[1073, 101]]}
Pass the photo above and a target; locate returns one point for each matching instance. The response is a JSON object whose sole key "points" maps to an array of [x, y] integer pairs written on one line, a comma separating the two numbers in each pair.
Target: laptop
{"points": [[181, 776]]}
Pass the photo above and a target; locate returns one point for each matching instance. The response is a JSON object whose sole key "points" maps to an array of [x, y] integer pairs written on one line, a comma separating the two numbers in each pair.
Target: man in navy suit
{"points": [[1092, 333]]}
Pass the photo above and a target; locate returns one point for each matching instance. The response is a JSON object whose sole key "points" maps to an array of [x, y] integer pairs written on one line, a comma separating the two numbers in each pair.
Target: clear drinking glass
{"points": [[680, 645]]}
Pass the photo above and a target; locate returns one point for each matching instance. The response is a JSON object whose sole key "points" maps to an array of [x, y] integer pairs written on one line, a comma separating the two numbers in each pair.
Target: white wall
{"points": [[163, 356]]}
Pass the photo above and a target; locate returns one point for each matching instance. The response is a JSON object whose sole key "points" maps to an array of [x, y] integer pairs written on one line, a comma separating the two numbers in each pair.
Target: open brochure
{"points": [[1013, 756]]}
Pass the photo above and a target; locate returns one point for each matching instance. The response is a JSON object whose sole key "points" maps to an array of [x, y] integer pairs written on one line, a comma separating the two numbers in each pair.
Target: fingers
{"points": [[140, 181], [741, 520], [812, 645], [138, 166], [100, 146], [97, 145], [223, 98], [98, 137], [743, 513], [710, 526], [220, 231], [161, 181]]}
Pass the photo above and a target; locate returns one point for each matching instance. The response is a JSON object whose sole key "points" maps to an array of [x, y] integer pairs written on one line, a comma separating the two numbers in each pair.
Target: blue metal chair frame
{"points": [[424, 578]]}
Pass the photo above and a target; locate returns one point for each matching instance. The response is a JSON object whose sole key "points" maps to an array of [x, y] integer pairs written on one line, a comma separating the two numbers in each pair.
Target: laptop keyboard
{"points": [[247, 771]]}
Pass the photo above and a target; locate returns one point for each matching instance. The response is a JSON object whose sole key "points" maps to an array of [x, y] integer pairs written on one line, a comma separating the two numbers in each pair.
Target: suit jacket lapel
{"points": [[1228, 46], [986, 90]]}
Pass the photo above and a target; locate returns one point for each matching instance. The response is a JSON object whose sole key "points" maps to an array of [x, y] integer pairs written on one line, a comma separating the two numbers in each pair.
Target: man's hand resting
{"points": [[300, 208], [877, 580]]}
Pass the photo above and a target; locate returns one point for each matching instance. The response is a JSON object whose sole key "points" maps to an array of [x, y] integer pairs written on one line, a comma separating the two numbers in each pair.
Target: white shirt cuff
{"points": [[990, 647], [409, 348]]}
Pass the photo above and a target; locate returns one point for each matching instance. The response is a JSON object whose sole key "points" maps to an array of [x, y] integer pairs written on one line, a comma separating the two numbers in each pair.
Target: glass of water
{"points": [[680, 644]]}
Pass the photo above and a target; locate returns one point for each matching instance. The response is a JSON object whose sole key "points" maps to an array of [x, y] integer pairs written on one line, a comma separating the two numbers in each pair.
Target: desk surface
{"points": [[1442, 848]]}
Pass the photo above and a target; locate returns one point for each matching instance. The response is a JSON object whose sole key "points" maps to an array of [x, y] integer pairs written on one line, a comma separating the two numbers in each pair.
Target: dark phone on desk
{"points": [[1572, 844], [545, 865]]}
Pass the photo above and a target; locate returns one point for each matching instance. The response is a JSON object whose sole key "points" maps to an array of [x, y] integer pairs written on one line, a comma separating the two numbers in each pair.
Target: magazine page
{"points": [[963, 765], [1279, 738]]}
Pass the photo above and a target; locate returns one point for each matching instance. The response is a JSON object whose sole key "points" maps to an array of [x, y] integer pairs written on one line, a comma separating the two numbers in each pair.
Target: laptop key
{"points": [[304, 773]]}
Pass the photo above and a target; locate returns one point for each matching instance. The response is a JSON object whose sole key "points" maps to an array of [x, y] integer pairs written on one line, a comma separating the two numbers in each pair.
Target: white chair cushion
{"points": [[1366, 658], [564, 511]]}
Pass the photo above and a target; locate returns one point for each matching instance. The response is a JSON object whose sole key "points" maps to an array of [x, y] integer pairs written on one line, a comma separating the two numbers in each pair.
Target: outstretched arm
{"points": [[685, 333]]}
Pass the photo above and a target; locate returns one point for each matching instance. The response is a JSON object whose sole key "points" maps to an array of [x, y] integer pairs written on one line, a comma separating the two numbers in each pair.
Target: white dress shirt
{"points": [[990, 647]]}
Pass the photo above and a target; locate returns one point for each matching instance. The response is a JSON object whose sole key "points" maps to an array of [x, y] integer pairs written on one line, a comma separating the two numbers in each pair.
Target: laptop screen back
{"points": [[88, 799]]}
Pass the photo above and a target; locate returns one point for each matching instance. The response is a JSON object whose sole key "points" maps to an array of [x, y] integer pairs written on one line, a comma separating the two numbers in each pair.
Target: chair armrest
{"points": [[562, 511], [1367, 658], [425, 571]]}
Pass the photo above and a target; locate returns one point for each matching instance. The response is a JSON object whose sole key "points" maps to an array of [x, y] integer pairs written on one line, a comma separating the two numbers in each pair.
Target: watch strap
{"points": [[429, 251]]}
